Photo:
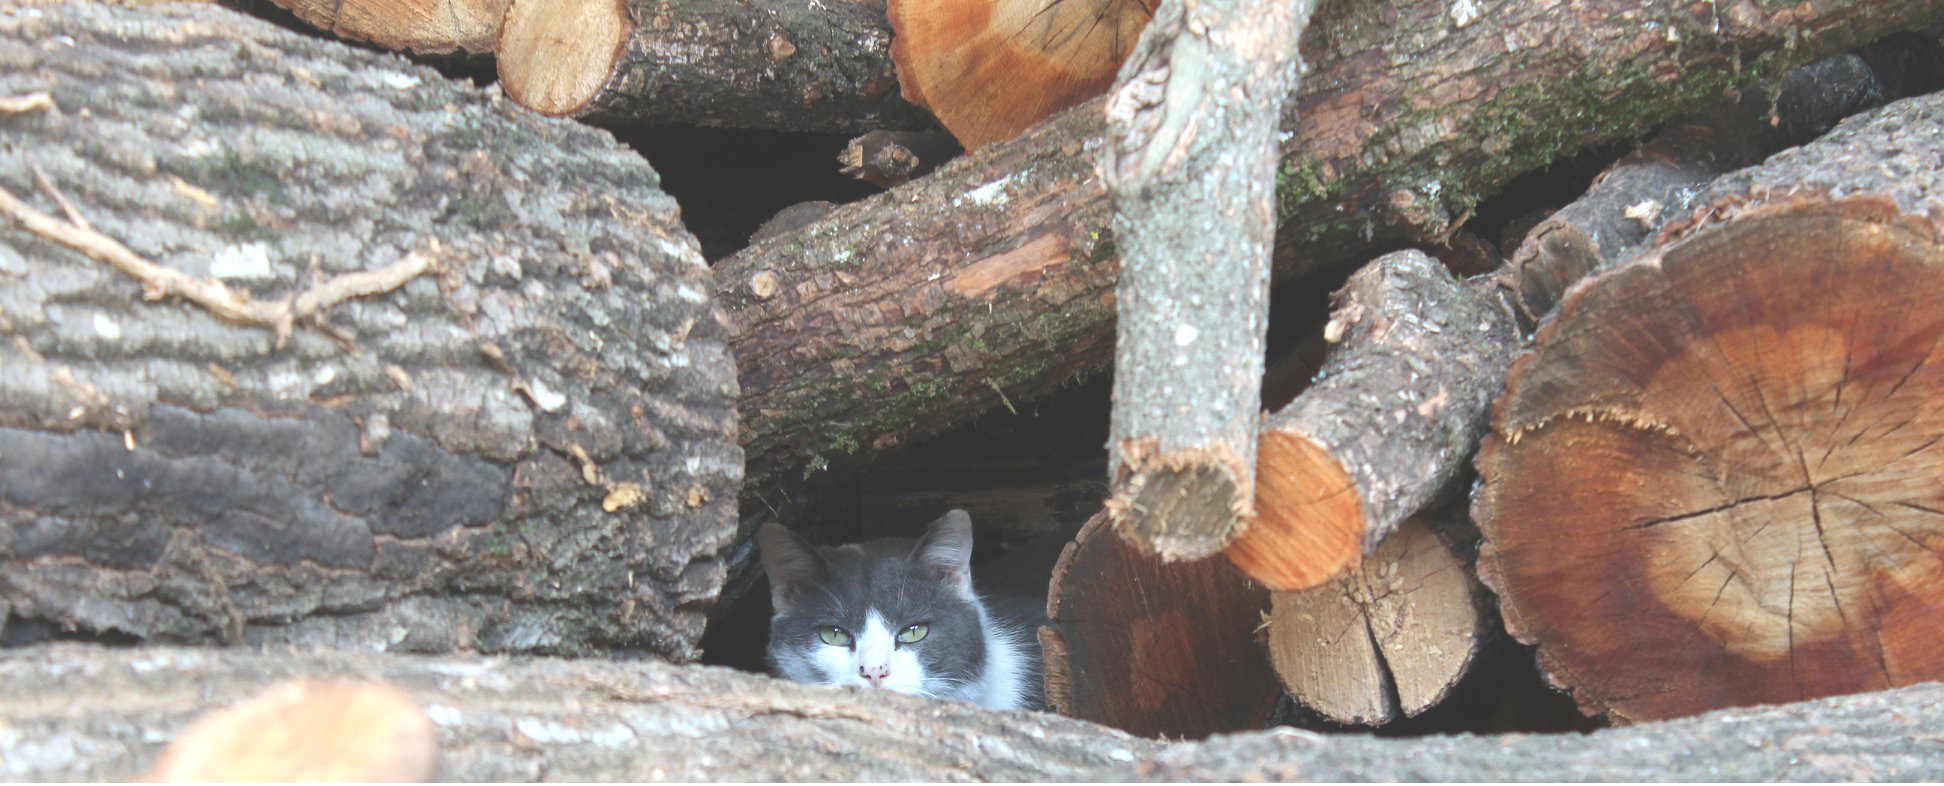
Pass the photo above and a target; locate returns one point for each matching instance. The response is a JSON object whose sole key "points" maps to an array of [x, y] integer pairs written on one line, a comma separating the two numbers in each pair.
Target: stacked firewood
{"points": [[310, 347]]}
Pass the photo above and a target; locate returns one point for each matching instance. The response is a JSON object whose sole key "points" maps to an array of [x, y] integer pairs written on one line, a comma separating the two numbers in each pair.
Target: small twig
{"points": [[14, 105], [159, 282], [47, 187]]}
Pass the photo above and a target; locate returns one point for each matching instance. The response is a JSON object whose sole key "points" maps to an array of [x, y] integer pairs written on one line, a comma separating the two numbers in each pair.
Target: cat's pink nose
{"points": [[876, 674]]}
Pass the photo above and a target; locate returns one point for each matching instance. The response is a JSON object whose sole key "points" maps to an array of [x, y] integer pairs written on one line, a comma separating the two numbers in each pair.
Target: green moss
{"points": [[1100, 246]]}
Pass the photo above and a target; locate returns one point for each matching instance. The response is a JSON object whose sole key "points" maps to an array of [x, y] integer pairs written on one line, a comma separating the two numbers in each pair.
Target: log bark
{"points": [[1386, 426], [785, 65], [1151, 647], [1339, 435], [527, 446], [85, 713], [992, 279], [1730, 441], [1387, 641], [1191, 144]]}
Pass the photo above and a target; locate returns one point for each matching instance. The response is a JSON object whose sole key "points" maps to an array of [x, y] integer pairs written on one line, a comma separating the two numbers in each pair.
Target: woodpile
{"points": [[380, 385]]}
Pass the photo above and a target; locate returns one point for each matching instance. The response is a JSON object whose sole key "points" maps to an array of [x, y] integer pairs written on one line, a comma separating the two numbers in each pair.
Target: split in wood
{"points": [[1384, 642], [1723, 450]]}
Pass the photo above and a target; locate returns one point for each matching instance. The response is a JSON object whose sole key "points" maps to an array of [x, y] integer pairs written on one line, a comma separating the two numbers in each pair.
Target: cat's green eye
{"points": [[834, 636], [913, 634]]}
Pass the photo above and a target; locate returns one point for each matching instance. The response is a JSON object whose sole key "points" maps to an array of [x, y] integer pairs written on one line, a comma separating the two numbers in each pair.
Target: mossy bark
{"points": [[991, 281]]}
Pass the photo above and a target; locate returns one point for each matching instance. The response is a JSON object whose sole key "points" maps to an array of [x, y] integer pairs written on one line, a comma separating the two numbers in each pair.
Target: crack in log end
{"points": [[1181, 505], [1309, 523], [1724, 452]]}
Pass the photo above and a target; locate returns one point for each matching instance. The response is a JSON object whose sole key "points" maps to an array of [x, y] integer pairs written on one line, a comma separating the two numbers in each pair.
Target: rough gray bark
{"points": [[528, 448], [1730, 439], [1660, 181], [1388, 423], [84, 713], [787, 65], [992, 279], [1190, 166]]}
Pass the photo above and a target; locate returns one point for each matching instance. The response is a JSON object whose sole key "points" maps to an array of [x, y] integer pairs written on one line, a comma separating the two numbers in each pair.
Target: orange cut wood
{"points": [[1313, 530], [1719, 477], [989, 69]]}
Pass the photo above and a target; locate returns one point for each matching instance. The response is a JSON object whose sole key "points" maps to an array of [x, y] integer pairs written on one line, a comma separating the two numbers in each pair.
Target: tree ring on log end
{"points": [[1728, 454], [1181, 505], [1309, 520], [555, 56]]}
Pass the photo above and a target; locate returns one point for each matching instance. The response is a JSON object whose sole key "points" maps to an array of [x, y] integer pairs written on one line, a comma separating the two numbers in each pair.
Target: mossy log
{"points": [[89, 713], [1724, 450], [527, 444], [992, 279]]}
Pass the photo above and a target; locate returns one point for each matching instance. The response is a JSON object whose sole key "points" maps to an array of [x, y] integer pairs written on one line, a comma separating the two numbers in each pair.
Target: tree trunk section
{"points": [[478, 458], [1388, 641], [1151, 647], [1387, 424], [992, 280], [1191, 144], [1724, 451], [785, 65], [86, 713]]}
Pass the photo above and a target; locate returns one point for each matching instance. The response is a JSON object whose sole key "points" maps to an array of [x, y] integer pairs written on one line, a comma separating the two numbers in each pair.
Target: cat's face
{"points": [[890, 613]]}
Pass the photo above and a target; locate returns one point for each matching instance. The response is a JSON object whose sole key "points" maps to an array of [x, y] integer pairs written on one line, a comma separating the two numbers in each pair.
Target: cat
{"points": [[899, 614]]}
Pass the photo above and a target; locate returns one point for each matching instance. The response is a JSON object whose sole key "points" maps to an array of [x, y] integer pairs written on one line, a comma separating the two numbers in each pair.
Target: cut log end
{"points": [[1727, 454], [1178, 657], [1186, 506], [425, 26], [1309, 522], [989, 69], [308, 730], [555, 56], [1382, 643]]}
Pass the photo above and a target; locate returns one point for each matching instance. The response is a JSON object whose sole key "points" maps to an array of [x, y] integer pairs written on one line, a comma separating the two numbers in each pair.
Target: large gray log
{"points": [[87, 713], [529, 448]]}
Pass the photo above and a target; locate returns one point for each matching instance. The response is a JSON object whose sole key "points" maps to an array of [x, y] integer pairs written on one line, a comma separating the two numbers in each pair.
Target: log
{"points": [[1339, 435], [1151, 647], [1191, 144], [89, 713], [1387, 641], [307, 730], [403, 392], [1723, 450], [784, 65], [1386, 426], [992, 279]]}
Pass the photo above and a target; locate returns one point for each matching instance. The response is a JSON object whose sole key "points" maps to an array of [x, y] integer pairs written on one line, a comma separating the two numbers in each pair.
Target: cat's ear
{"points": [[789, 561], [947, 549]]}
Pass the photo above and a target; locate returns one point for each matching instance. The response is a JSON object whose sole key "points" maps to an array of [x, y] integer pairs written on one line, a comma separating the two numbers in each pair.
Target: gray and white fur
{"points": [[900, 614]]}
